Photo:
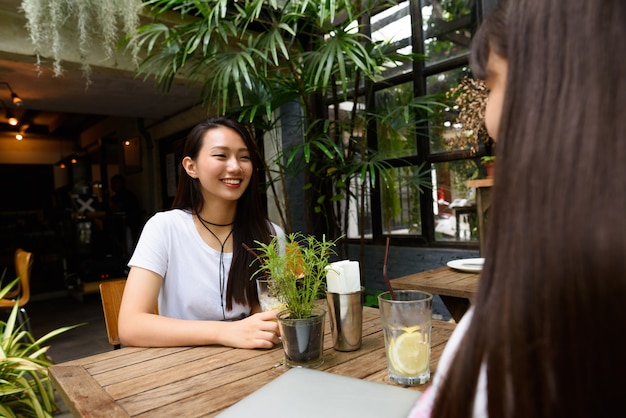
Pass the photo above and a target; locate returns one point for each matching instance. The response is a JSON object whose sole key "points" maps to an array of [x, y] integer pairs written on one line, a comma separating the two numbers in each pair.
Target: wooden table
{"points": [[455, 288], [202, 381]]}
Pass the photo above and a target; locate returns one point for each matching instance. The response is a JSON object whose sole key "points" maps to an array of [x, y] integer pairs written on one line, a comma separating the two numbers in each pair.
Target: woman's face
{"points": [[223, 165], [496, 83]]}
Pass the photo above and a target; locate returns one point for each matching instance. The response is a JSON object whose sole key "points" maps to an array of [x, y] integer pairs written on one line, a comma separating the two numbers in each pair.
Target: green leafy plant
{"points": [[489, 163], [296, 265], [25, 388], [252, 57]]}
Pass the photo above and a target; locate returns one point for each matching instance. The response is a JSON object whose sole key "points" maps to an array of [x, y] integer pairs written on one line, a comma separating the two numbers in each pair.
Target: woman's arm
{"points": [[138, 325]]}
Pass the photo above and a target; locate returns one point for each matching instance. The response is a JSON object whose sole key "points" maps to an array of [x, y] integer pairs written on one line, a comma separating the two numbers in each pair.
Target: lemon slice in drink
{"points": [[414, 328], [409, 354]]}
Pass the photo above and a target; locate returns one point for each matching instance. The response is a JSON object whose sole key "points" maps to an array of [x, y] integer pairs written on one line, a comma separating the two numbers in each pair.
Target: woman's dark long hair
{"points": [[251, 221], [549, 315]]}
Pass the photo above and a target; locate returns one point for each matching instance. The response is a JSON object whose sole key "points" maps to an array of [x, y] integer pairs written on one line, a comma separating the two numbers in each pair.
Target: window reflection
{"points": [[400, 200], [394, 26], [396, 138], [443, 129], [446, 28], [455, 207]]}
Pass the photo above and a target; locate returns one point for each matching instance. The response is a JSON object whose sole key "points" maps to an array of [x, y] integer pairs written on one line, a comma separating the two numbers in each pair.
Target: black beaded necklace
{"points": [[222, 273], [204, 221]]}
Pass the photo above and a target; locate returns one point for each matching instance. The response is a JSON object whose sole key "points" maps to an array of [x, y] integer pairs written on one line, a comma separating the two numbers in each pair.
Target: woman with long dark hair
{"points": [[544, 337], [191, 258]]}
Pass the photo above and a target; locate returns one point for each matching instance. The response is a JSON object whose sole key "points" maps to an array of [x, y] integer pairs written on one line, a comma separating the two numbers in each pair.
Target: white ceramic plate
{"points": [[470, 265]]}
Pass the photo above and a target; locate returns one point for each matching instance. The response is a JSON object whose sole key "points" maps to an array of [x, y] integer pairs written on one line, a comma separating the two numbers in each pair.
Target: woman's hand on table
{"points": [[259, 330]]}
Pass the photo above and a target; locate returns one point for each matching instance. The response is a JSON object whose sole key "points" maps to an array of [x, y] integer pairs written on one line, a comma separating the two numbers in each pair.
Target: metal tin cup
{"points": [[406, 326], [346, 320]]}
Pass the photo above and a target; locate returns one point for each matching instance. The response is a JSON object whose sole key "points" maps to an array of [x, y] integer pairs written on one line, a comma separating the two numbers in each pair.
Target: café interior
{"points": [[62, 139]]}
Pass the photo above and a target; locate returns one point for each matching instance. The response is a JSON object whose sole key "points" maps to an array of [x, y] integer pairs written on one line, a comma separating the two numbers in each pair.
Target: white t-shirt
{"points": [[171, 246], [424, 405]]}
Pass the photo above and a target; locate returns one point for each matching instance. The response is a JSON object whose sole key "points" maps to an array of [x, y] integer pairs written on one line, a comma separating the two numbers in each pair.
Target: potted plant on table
{"points": [[296, 266], [489, 162]]}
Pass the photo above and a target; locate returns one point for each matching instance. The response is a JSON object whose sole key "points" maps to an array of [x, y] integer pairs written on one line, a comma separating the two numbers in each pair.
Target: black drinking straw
{"points": [[387, 282]]}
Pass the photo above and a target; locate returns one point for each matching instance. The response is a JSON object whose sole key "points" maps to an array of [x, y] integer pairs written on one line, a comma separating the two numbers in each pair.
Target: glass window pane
{"points": [[400, 197], [396, 137], [358, 190], [394, 26], [455, 211], [446, 28], [351, 129]]}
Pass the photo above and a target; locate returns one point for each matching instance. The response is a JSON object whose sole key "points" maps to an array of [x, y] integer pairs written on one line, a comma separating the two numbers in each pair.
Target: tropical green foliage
{"points": [[25, 388], [296, 47], [253, 56], [296, 265]]}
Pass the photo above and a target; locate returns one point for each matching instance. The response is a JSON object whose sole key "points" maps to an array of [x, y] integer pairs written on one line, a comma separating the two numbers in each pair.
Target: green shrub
{"points": [[25, 388]]}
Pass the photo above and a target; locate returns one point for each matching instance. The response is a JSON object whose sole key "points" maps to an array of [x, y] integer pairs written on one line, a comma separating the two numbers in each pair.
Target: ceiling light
{"points": [[17, 101], [19, 137], [12, 120]]}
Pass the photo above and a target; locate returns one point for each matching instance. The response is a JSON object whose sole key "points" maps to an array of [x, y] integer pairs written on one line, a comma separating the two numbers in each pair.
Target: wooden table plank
{"points": [[441, 281], [215, 385], [192, 362]]}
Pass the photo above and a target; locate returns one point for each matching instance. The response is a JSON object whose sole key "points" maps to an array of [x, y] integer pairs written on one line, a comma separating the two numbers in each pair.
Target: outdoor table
{"points": [[202, 381], [456, 288]]}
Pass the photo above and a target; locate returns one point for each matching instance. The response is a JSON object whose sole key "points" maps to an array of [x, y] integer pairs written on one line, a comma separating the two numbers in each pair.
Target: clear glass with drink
{"points": [[267, 299], [406, 327]]}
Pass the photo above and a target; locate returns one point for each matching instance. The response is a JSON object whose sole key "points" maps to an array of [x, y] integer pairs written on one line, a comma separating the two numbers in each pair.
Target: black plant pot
{"points": [[303, 339]]}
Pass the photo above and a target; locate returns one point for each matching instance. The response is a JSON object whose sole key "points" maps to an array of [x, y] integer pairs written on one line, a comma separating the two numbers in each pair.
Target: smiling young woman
{"points": [[191, 258]]}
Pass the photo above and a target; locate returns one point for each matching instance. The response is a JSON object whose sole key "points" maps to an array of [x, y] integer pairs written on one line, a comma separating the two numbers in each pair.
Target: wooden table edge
{"points": [[78, 385]]}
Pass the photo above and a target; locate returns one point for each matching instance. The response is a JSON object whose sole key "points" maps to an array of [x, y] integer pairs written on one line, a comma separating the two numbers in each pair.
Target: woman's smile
{"points": [[231, 182]]}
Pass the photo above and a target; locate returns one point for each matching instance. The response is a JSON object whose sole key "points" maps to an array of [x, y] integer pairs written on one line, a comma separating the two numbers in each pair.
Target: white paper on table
{"points": [[343, 277]]}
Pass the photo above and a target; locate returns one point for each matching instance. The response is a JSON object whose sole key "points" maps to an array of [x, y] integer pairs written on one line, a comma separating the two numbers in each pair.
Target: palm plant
{"points": [[25, 388], [253, 56]]}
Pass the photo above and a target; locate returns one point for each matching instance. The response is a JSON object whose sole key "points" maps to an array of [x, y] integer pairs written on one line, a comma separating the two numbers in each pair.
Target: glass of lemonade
{"points": [[406, 326], [267, 299]]}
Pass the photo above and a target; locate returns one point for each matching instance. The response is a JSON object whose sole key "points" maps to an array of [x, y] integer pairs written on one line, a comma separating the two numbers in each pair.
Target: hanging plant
{"points": [[58, 25], [470, 97]]}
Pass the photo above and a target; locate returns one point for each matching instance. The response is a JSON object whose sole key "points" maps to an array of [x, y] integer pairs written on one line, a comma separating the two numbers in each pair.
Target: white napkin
{"points": [[343, 277]]}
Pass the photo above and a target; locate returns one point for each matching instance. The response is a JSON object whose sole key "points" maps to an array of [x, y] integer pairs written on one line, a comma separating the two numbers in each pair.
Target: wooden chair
{"points": [[111, 293], [23, 268]]}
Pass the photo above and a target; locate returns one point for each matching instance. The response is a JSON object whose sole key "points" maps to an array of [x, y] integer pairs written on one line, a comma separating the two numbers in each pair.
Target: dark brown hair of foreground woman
{"points": [[550, 314]]}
